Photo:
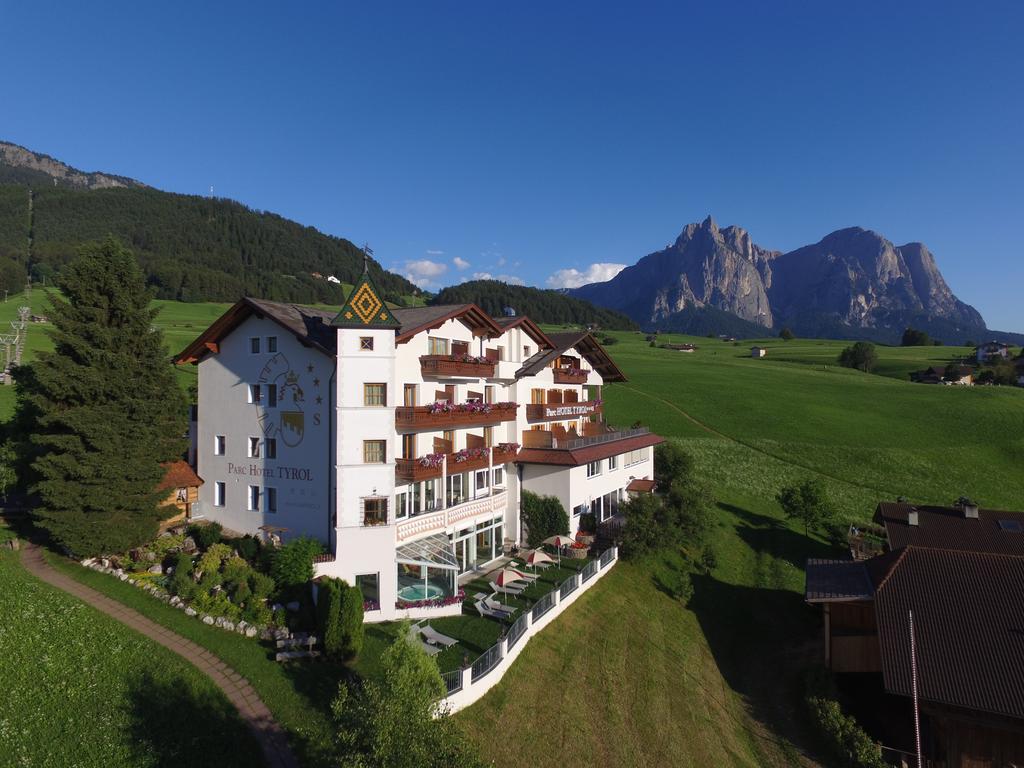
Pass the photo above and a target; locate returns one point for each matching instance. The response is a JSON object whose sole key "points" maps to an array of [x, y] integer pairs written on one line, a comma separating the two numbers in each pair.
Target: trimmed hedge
{"points": [[340, 618]]}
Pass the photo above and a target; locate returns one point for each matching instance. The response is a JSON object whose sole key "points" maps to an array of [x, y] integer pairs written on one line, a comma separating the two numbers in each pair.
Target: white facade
{"points": [[335, 443]]}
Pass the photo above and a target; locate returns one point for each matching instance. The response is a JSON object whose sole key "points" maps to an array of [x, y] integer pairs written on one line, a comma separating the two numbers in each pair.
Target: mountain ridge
{"points": [[853, 282]]}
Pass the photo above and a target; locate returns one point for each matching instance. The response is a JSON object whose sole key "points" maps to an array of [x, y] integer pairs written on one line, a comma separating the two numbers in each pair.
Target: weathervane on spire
{"points": [[367, 253]]}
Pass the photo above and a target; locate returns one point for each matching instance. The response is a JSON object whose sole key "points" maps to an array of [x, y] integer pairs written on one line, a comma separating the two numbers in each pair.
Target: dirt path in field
{"points": [[712, 431], [269, 734]]}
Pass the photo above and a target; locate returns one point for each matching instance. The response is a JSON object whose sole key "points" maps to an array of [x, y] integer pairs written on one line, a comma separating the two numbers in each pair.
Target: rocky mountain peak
{"points": [[22, 165]]}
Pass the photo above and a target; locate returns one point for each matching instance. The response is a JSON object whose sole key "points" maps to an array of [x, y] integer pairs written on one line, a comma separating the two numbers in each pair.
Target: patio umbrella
{"points": [[538, 556], [506, 576], [558, 541]]}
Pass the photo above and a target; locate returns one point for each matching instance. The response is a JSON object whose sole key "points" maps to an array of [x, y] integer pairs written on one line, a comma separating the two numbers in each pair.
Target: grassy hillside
{"points": [[82, 689]]}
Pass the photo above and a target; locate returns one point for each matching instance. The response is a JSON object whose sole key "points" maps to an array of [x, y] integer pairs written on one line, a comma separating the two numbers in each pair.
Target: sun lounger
{"points": [[494, 605], [414, 638], [436, 638], [516, 591], [483, 610]]}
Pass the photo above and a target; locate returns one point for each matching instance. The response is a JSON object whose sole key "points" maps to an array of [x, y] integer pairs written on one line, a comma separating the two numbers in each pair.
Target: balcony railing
{"points": [[570, 376], [461, 366], [442, 415], [541, 439], [429, 467], [556, 411], [432, 521]]}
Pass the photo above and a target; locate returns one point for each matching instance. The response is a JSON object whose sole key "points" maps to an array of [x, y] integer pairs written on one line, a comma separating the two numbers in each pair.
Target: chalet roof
{"points": [[178, 474], [968, 628], [587, 345], [312, 327], [414, 320], [576, 457], [364, 308], [531, 328], [837, 580], [947, 528]]}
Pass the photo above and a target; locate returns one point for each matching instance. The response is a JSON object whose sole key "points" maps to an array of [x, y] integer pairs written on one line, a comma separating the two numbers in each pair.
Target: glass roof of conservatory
{"points": [[434, 551]]}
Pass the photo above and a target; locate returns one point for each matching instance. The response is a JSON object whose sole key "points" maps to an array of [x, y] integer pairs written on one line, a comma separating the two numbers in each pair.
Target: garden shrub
{"points": [[247, 547], [205, 536], [211, 559], [708, 559], [844, 737], [292, 564], [328, 609], [351, 622], [544, 517], [261, 584], [674, 581], [588, 523], [182, 584], [235, 570]]}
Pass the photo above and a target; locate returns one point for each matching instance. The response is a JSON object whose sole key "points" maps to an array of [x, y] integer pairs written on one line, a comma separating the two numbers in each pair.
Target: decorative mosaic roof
{"points": [[364, 308]]}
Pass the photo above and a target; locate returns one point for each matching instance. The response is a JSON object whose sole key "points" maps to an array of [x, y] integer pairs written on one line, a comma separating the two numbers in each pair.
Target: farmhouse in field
{"points": [[992, 351], [403, 438], [758, 351], [962, 375], [959, 571], [681, 347]]}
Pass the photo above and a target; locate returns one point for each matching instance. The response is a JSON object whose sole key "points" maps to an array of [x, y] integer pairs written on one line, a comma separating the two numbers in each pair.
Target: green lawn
{"points": [[80, 689]]}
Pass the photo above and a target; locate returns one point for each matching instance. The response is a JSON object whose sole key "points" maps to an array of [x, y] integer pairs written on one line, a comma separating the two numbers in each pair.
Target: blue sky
{"points": [[526, 139]]}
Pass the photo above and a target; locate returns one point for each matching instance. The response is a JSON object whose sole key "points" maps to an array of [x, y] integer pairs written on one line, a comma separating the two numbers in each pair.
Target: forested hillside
{"points": [[542, 306], [191, 248]]}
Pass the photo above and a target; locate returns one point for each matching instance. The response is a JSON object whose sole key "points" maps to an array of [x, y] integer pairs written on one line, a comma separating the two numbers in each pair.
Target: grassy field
{"points": [[80, 689]]}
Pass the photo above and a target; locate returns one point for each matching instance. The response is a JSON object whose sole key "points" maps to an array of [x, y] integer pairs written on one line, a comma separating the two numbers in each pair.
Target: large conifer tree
{"points": [[103, 409]]}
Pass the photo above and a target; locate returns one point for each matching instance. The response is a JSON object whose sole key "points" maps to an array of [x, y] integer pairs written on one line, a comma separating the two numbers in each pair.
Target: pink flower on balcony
{"points": [[431, 460]]}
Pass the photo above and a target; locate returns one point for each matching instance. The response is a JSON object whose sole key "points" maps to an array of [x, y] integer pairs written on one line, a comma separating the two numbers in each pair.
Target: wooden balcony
{"points": [[557, 411], [413, 470], [427, 417], [504, 453], [570, 376], [458, 366]]}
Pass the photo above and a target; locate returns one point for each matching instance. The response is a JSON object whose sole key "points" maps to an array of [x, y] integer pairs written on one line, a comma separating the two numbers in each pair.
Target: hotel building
{"points": [[403, 438]]}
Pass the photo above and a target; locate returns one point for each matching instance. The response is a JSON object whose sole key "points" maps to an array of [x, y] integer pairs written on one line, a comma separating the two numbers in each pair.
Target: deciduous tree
{"points": [[806, 502]]}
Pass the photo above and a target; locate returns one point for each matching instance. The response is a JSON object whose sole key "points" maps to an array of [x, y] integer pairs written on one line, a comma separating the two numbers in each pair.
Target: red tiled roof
{"points": [[179, 474], [639, 485], [576, 457]]}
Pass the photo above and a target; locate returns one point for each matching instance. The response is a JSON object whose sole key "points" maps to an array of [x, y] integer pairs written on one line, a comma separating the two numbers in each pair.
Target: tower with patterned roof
{"points": [[365, 434]]}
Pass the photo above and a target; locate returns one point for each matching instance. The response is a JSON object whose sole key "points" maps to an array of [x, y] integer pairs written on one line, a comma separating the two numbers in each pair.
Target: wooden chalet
{"points": [[182, 485]]}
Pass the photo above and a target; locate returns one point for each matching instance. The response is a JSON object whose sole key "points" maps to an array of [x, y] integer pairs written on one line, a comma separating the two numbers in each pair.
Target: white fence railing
{"points": [[486, 671]]}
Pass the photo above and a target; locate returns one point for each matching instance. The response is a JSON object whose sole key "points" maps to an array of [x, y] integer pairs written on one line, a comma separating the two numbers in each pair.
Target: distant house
{"points": [[991, 351], [681, 347], [758, 351], [931, 375], [333, 279], [960, 572], [963, 376], [182, 486]]}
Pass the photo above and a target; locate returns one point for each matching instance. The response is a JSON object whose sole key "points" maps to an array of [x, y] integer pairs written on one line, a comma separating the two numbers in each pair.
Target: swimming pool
{"points": [[420, 592]]}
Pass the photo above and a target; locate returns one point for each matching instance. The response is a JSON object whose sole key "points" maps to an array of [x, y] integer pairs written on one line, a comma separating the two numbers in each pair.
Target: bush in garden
{"points": [[257, 612], [351, 622], [182, 584], [544, 517], [292, 564], [247, 547], [209, 562], [262, 586], [205, 535], [328, 614]]}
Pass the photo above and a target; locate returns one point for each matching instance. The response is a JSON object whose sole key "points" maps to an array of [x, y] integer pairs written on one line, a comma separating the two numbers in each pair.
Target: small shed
{"points": [[182, 485], [758, 351]]}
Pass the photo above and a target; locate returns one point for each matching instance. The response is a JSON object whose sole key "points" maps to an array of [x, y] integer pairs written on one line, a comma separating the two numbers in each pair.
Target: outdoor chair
{"points": [[494, 605], [514, 591], [414, 638], [526, 576], [436, 638], [483, 610]]}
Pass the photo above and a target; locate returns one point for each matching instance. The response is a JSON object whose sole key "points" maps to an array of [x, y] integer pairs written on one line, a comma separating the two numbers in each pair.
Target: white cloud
{"points": [[433, 252], [460, 263], [423, 271], [595, 273], [483, 276], [510, 279]]}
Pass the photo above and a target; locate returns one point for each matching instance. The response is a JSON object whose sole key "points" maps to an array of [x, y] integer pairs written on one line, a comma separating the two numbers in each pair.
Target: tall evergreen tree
{"points": [[102, 411]]}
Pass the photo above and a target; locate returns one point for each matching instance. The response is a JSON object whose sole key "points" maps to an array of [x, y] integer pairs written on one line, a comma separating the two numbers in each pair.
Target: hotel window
{"points": [[375, 395], [271, 395], [449, 437], [613, 462], [255, 393], [270, 448], [499, 477], [271, 498], [489, 393], [369, 585], [401, 505], [579, 510], [254, 448], [594, 469], [537, 396], [254, 498], [374, 452], [271, 344], [526, 351], [408, 446], [220, 444], [409, 395], [366, 343], [436, 346], [481, 487], [488, 437], [375, 511], [218, 494], [254, 345]]}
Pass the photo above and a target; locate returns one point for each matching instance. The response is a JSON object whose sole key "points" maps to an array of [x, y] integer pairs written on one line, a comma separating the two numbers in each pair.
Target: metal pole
{"points": [[913, 684]]}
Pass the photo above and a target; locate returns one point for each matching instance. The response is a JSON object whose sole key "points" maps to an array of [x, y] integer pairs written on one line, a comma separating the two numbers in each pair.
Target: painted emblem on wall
{"points": [[289, 417]]}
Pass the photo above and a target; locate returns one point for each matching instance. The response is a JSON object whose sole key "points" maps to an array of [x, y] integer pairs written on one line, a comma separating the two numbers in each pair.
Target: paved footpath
{"points": [[254, 712]]}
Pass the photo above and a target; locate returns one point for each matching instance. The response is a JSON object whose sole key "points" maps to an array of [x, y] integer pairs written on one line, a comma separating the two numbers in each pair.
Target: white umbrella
{"points": [[506, 576], [538, 556], [558, 541]]}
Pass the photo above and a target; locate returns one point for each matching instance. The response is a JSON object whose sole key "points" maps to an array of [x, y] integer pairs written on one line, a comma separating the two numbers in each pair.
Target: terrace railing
{"points": [[452, 681], [589, 570], [517, 630], [543, 605], [569, 586], [608, 555], [487, 662]]}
